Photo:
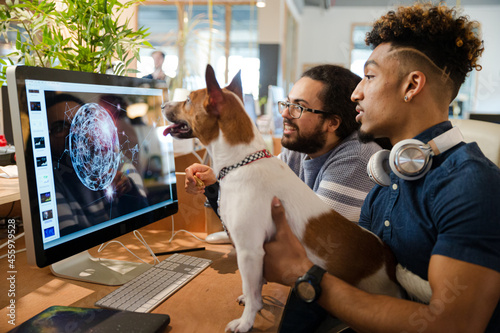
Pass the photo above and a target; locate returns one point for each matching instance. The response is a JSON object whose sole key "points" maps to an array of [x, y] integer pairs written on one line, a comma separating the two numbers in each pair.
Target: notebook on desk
{"points": [[89, 320]]}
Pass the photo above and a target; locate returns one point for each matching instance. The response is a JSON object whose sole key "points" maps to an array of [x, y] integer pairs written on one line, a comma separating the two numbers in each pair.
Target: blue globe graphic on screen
{"points": [[94, 146]]}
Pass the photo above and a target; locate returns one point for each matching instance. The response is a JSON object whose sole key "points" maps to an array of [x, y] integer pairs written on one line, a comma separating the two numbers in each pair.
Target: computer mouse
{"points": [[220, 237]]}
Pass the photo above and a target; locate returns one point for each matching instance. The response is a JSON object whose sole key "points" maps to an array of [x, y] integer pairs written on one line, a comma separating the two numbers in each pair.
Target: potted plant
{"points": [[81, 35]]}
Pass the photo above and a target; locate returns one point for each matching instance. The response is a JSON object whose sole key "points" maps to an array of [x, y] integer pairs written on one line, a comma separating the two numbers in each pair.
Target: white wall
{"points": [[324, 37], [488, 79]]}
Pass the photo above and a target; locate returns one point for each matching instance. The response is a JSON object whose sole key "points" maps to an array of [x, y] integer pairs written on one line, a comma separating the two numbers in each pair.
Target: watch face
{"points": [[306, 291]]}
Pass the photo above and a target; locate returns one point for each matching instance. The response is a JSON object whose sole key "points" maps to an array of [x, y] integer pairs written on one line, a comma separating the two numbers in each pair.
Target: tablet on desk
{"points": [[86, 320]]}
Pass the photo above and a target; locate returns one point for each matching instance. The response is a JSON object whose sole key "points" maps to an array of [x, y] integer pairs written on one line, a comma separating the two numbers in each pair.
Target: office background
{"points": [[274, 44], [288, 36]]}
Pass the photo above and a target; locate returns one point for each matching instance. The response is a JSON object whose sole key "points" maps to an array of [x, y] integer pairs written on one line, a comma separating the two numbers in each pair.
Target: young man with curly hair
{"points": [[442, 224]]}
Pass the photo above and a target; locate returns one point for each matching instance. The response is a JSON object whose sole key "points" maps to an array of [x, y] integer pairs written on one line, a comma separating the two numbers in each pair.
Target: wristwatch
{"points": [[307, 286]]}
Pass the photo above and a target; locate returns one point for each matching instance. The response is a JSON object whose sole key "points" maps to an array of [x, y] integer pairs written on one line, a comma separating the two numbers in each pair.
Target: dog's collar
{"points": [[264, 153]]}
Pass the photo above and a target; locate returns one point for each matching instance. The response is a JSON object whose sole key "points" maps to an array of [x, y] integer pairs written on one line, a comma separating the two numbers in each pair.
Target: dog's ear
{"points": [[214, 92], [235, 86]]}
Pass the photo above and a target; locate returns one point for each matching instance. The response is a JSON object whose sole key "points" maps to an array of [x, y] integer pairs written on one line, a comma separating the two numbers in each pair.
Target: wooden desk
{"points": [[9, 190], [206, 304]]}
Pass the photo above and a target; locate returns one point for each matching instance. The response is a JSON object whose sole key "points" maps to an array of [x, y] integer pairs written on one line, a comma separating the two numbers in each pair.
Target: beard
{"points": [[307, 144], [365, 137]]}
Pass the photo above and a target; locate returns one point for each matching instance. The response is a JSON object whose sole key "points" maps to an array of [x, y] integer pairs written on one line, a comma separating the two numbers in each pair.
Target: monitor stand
{"points": [[84, 267]]}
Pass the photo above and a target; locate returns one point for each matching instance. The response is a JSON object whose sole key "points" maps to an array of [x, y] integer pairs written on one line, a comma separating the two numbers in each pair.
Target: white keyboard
{"points": [[149, 289]]}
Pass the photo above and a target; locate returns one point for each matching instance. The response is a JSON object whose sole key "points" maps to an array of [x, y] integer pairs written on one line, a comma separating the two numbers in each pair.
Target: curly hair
{"points": [[339, 83], [449, 40]]}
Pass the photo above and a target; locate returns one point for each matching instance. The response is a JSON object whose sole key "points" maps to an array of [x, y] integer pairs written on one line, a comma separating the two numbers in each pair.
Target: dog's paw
{"points": [[239, 325], [241, 300]]}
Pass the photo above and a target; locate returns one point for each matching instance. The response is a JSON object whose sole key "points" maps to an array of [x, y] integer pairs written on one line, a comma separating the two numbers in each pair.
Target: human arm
{"points": [[464, 295], [204, 173]]}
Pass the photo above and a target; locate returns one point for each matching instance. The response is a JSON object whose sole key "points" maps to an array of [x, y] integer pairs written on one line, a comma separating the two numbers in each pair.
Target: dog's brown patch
{"points": [[235, 124], [340, 242], [227, 105], [205, 126]]}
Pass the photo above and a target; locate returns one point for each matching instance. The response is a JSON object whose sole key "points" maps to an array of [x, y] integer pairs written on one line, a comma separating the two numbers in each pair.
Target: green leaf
{"points": [[18, 40], [92, 39]]}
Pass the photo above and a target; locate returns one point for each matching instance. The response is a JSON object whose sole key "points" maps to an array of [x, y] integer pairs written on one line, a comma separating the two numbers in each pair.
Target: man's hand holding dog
{"points": [[205, 176], [285, 259]]}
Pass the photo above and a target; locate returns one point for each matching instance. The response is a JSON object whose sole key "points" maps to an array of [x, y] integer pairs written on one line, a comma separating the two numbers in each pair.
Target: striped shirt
{"points": [[338, 177]]}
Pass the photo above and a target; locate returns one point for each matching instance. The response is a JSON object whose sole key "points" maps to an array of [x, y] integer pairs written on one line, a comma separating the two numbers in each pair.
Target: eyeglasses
{"points": [[296, 110]]}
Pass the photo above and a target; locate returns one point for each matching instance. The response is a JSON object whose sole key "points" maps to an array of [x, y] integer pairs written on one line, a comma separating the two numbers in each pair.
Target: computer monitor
{"points": [[489, 117], [250, 106], [88, 172], [275, 94]]}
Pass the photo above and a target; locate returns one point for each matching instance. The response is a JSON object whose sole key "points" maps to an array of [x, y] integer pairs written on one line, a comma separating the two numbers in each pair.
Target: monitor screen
{"points": [[250, 106], [92, 160], [275, 95], [489, 117]]}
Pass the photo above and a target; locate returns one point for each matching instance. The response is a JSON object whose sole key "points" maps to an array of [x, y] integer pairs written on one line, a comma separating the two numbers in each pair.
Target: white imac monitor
{"points": [[251, 106], [90, 169], [275, 94]]}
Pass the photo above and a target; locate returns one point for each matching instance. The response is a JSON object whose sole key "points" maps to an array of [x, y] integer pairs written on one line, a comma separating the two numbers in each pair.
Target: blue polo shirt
{"points": [[453, 211]]}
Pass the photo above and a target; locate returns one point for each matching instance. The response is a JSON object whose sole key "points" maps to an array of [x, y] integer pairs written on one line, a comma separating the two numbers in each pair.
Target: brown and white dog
{"points": [[251, 178]]}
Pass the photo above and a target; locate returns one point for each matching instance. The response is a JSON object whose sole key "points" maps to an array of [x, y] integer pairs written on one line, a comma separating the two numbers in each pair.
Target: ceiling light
{"points": [[261, 3]]}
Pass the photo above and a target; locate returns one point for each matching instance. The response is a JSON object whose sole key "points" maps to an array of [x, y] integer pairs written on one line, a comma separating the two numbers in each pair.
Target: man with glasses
{"points": [[320, 138]]}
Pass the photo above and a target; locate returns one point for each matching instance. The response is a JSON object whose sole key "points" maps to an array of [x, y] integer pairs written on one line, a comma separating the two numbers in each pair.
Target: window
{"points": [[244, 49], [162, 22], [360, 52], [290, 54], [191, 36]]}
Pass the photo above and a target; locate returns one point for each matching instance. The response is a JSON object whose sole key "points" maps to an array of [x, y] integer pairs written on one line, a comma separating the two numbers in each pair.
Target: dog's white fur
{"points": [[417, 288], [245, 198]]}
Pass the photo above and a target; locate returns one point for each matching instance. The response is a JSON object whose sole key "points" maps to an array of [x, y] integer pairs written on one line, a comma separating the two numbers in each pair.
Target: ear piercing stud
{"points": [[406, 99]]}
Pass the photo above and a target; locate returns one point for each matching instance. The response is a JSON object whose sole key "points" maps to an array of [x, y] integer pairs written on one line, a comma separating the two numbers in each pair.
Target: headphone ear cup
{"points": [[378, 168], [408, 161]]}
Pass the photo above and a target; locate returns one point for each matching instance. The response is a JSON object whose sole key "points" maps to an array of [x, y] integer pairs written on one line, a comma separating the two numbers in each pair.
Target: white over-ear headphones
{"points": [[410, 159]]}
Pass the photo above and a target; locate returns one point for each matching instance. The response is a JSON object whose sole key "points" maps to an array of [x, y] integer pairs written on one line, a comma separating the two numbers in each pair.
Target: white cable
{"points": [[182, 230], [198, 157], [11, 240], [5, 255], [141, 239]]}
